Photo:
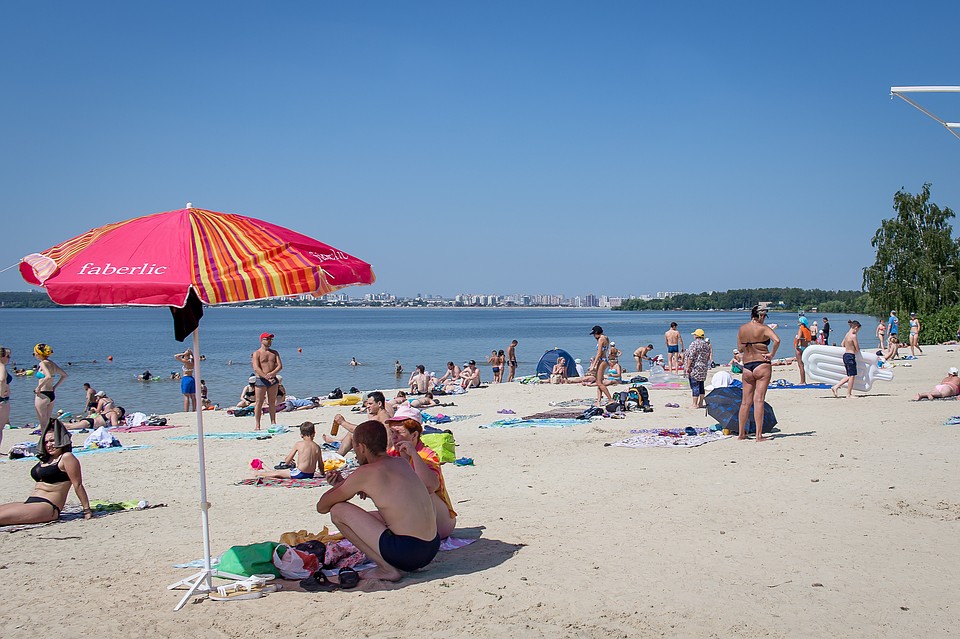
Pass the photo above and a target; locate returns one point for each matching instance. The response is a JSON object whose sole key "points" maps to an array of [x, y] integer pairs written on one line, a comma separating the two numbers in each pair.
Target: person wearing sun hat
{"points": [[407, 427], [696, 364], [266, 366], [949, 386]]}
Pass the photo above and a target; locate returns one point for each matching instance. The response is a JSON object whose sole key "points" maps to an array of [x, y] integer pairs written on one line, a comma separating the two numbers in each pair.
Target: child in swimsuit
{"points": [[306, 453]]}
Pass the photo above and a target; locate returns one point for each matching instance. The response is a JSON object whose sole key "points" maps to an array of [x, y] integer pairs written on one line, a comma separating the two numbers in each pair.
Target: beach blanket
{"points": [[586, 403], [534, 423], [144, 428], [86, 451], [782, 383], [342, 553], [283, 483], [557, 413], [667, 385], [254, 434], [672, 438], [440, 418], [73, 512]]}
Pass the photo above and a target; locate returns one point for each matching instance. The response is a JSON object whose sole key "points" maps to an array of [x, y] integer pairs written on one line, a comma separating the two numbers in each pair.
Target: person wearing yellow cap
{"points": [[46, 387], [696, 364]]}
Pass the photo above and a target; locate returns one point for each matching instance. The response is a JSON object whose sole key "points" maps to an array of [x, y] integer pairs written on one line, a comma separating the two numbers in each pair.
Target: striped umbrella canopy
{"points": [[157, 260]]}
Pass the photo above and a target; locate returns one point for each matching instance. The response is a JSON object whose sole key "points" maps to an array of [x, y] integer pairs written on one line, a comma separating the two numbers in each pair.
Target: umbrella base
{"points": [[201, 582]]}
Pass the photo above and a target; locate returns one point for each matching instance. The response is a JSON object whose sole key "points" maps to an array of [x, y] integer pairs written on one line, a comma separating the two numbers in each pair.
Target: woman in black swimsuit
{"points": [[753, 340], [55, 473], [5, 379]]}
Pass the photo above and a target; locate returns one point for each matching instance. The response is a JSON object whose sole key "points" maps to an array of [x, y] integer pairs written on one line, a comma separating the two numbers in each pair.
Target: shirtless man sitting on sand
{"points": [[470, 375], [377, 409], [401, 535], [266, 366]]}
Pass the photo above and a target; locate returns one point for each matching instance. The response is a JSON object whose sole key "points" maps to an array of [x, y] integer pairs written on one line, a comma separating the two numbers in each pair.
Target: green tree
{"points": [[917, 266]]}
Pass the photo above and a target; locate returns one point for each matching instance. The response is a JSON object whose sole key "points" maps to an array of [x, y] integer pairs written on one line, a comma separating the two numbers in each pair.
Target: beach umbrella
{"points": [[723, 404], [184, 259]]}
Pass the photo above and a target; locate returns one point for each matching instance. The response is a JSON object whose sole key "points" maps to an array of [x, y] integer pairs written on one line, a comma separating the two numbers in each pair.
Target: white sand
{"points": [[859, 497]]}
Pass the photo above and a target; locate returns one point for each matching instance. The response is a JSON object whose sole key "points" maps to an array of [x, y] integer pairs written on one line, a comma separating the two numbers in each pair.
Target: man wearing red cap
{"points": [[266, 364]]}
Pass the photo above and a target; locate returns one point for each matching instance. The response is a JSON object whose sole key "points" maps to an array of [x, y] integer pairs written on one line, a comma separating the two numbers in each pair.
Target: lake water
{"points": [[142, 338]]}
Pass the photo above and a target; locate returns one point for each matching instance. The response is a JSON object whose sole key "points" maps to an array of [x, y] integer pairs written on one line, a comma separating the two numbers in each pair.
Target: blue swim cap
{"points": [[803, 320]]}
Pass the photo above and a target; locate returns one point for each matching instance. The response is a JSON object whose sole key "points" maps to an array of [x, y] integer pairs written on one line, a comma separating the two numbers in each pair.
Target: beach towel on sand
{"points": [[72, 512], [534, 423], [672, 438], [283, 483], [143, 428]]}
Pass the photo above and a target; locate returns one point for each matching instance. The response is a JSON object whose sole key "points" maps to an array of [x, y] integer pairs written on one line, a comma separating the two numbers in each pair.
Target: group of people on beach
{"points": [[397, 472]]}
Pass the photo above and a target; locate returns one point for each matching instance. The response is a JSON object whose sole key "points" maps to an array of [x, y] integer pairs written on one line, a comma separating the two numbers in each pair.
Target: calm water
{"points": [[140, 338]]}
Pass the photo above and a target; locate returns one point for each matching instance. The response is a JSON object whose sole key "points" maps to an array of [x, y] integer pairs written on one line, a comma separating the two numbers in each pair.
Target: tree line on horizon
{"points": [[785, 298]]}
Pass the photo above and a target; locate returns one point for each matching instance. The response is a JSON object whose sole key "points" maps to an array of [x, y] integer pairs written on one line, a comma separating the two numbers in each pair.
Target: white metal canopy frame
{"points": [[898, 92]]}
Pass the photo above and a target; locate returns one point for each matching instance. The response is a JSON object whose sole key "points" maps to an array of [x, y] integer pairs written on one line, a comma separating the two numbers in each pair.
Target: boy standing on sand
{"points": [[266, 364], [307, 454], [851, 348], [512, 359]]}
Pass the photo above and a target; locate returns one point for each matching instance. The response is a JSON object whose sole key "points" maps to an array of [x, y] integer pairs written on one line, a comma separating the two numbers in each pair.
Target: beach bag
{"points": [[253, 559], [293, 563], [736, 369], [156, 420], [443, 445], [336, 393]]}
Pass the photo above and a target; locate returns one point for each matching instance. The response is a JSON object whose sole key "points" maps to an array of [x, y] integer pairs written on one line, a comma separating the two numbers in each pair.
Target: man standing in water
{"points": [[851, 348], [512, 359], [674, 346], [266, 364]]}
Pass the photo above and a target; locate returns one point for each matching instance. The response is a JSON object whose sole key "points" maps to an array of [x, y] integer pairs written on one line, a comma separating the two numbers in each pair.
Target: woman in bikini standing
{"points": [[46, 388], [753, 340], [598, 367], [914, 334], [5, 379], [55, 473]]}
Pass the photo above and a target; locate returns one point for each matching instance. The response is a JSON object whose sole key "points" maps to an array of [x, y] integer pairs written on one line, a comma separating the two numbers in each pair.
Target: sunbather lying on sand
{"points": [[949, 386], [111, 417]]}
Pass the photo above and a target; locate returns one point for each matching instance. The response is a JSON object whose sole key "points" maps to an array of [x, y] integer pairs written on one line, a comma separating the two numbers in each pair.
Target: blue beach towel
{"points": [[446, 419], [250, 435], [787, 385], [87, 451]]}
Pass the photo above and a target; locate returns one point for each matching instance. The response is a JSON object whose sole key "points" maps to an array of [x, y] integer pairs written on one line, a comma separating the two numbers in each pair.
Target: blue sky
{"points": [[528, 147]]}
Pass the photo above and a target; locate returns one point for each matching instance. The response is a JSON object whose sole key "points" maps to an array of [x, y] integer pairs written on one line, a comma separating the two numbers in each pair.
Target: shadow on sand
{"points": [[478, 556]]}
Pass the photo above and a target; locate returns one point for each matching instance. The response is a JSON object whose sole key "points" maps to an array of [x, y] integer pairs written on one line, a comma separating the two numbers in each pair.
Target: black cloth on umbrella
{"points": [[187, 319], [723, 404]]}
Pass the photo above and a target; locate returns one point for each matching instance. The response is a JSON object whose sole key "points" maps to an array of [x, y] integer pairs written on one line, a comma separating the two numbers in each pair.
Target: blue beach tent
{"points": [[549, 360]]}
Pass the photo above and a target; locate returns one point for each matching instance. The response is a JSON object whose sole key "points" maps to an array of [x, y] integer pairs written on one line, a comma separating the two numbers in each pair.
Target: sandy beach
{"points": [[845, 524]]}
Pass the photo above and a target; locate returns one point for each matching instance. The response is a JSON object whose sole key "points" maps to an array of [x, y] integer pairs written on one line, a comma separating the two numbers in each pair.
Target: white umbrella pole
{"points": [[203, 580]]}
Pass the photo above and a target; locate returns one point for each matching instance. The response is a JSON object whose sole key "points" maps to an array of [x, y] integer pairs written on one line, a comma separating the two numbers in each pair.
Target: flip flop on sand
{"points": [[318, 582]]}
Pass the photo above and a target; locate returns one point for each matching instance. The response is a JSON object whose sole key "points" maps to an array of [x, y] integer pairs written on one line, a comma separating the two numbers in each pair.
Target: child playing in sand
{"points": [[307, 454]]}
